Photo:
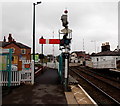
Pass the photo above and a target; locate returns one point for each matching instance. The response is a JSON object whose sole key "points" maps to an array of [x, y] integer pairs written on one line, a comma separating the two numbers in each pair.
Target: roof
{"points": [[78, 52], [3, 44], [20, 45], [107, 53]]}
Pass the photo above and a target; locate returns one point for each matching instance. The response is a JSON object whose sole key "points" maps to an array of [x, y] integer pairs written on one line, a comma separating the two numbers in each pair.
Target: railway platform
{"points": [[115, 70], [46, 90]]}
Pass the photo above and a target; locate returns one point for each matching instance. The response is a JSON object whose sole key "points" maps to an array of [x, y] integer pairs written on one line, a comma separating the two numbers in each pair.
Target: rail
{"points": [[117, 102]]}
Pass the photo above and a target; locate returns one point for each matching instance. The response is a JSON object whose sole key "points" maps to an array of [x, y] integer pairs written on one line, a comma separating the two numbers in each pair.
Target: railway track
{"points": [[97, 89], [102, 74], [112, 82]]}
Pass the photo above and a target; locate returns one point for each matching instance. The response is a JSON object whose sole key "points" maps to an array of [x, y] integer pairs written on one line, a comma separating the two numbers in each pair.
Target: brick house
{"points": [[19, 50]]}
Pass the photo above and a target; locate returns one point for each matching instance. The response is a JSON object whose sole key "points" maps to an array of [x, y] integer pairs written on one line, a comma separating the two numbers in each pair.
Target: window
{"points": [[13, 50], [97, 59], [23, 51]]}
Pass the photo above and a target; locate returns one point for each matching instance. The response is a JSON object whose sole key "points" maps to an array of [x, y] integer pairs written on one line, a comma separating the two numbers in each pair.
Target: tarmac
{"points": [[46, 90]]}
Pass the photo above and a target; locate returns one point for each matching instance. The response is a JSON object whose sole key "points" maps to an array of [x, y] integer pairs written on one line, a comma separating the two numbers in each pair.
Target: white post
{"points": [[19, 77], [0, 78], [115, 63], [32, 72], [66, 68]]}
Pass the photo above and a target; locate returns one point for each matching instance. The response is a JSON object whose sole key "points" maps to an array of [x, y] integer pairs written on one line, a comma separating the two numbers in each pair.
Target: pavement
{"points": [[46, 90], [50, 76]]}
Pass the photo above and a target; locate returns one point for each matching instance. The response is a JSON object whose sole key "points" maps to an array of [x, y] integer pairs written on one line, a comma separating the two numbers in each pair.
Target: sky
{"points": [[95, 22]]}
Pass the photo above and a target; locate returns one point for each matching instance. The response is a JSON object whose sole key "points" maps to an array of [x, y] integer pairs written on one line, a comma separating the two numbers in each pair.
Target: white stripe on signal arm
{"points": [[47, 41]]}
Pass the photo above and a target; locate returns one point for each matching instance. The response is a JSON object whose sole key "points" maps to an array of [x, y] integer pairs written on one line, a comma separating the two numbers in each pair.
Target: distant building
{"points": [[19, 50], [50, 57], [105, 58], [79, 57]]}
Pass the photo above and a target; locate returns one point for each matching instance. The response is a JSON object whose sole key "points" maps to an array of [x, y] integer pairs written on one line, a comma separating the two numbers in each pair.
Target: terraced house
{"points": [[19, 50]]}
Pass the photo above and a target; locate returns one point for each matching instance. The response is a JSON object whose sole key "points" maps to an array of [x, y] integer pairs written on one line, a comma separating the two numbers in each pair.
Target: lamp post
{"points": [[42, 52], [34, 29]]}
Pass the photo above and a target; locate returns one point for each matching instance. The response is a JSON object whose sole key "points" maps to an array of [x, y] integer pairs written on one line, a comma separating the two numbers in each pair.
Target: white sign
{"points": [[4, 50]]}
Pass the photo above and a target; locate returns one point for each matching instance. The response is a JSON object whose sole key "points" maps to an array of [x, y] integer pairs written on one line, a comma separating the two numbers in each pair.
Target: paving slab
{"points": [[71, 98], [81, 96]]}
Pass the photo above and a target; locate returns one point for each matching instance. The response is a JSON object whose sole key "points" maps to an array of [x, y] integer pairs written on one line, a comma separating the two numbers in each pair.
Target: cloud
{"points": [[89, 20]]}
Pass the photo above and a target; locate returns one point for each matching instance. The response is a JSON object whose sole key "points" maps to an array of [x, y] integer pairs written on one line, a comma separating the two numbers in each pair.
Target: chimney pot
{"points": [[105, 47], [103, 44], [107, 43], [10, 38], [4, 40]]}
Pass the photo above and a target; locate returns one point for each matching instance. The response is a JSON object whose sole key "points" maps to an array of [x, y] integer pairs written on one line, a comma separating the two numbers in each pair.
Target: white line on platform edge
{"points": [[88, 96]]}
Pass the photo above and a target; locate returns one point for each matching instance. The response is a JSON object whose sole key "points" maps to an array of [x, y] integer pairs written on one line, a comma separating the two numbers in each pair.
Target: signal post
{"points": [[64, 47]]}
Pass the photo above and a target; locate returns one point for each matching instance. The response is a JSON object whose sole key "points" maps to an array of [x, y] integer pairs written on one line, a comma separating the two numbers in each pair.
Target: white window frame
{"points": [[23, 50]]}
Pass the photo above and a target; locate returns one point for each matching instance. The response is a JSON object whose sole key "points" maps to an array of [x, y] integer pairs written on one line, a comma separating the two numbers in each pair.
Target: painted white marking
{"points": [[38, 70], [88, 95], [72, 87], [66, 68], [77, 93]]}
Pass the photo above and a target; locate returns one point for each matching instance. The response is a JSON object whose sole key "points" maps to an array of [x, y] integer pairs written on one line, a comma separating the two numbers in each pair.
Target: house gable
{"points": [[12, 45]]}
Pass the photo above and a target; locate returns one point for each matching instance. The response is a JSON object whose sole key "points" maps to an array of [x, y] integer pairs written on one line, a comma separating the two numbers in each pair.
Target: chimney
{"points": [[14, 40], [10, 39], [105, 47], [4, 40]]}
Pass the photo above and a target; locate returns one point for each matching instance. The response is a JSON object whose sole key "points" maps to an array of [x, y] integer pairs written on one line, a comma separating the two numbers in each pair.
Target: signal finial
{"points": [[66, 11]]}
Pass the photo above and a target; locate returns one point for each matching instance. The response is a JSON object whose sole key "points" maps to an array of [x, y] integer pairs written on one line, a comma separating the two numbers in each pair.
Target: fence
{"points": [[27, 73], [4, 78], [16, 77]]}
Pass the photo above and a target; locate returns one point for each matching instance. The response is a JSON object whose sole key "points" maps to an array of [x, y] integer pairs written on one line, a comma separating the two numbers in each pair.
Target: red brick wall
{"points": [[17, 51]]}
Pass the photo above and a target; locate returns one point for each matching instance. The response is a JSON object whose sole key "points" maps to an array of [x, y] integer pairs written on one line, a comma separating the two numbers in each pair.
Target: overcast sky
{"points": [[91, 21]]}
